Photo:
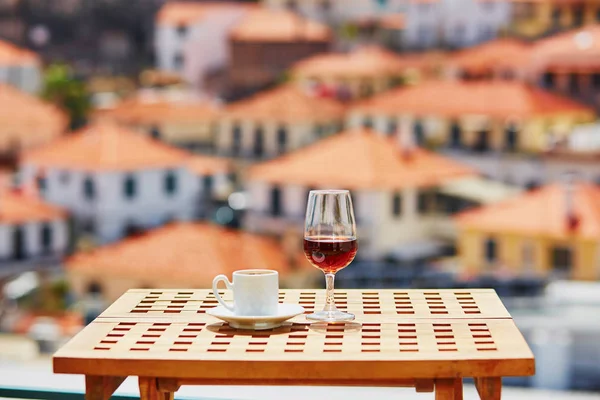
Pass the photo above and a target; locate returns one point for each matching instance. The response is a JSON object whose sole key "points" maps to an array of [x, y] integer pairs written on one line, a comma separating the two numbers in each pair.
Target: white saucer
{"points": [[257, 323]]}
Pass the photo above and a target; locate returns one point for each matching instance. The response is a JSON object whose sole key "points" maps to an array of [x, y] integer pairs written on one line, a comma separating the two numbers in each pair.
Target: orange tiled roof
{"points": [[287, 103], [364, 62], [497, 54], [27, 120], [360, 160], [15, 56], [156, 109], [179, 13], [17, 208], [207, 165], [496, 99], [186, 254], [279, 26], [577, 48], [540, 212], [105, 146]]}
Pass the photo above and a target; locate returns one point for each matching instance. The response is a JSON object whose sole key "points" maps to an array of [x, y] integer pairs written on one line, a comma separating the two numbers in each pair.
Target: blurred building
{"points": [[192, 39], [536, 18], [553, 231], [174, 117], [26, 122], [454, 23], [479, 117], [20, 68], [277, 121], [114, 181], [361, 73], [267, 42], [33, 234], [500, 59], [395, 190], [569, 63], [213, 178], [336, 12], [197, 252]]}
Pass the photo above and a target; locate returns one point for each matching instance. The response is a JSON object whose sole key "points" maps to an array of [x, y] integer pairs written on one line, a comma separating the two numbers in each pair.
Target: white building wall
{"points": [[111, 209], [32, 238], [26, 78], [340, 11]]}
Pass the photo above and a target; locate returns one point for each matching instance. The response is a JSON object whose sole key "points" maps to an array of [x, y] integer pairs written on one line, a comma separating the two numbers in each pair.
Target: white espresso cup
{"points": [[255, 292]]}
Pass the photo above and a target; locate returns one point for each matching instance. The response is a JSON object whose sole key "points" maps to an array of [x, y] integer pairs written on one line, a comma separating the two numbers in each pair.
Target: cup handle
{"points": [[229, 285]]}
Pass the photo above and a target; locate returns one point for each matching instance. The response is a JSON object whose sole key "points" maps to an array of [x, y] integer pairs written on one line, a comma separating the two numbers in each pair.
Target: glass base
{"points": [[330, 316]]}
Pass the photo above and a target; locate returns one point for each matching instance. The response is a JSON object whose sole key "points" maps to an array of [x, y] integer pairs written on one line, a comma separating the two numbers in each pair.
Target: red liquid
{"points": [[330, 255]]}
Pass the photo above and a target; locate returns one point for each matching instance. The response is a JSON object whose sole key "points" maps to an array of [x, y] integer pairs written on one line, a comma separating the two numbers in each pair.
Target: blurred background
{"points": [[157, 143]]}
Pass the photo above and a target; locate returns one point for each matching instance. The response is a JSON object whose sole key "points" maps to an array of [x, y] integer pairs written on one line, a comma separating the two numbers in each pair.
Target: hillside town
{"points": [[161, 152]]}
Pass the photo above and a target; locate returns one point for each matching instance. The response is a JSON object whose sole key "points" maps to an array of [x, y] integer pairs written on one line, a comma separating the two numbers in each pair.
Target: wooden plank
{"points": [[149, 390], [101, 387], [424, 385], [489, 388], [373, 305], [458, 389]]}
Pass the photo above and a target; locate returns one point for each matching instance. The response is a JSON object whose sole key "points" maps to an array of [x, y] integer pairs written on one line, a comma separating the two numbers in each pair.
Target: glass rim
{"points": [[330, 191]]}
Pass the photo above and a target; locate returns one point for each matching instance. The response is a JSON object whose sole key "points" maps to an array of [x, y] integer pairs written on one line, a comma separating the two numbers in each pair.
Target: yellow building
{"points": [[553, 232], [535, 18], [479, 116], [176, 118]]}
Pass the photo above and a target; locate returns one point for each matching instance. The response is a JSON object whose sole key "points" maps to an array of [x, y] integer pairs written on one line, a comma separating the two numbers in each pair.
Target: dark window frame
{"points": [[490, 250], [170, 183], [130, 187], [89, 188], [46, 237], [397, 204], [282, 139], [275, 202]]}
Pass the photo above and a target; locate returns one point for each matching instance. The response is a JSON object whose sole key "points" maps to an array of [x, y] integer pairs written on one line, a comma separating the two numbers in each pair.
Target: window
{"points": [[46, 237], [178, 61], [42, 183], [14, 76], [368, 123], [511, 138], [182, 30], [129, 187], [236, 140], [207, 184], [276, 202], [155, 132], [18, 243], [282, 139], [424, 200], [89, 189], [170, 183], [548, 80], [490, 249], [562, 260], [556, 17], [397, 204], [419, 132], [392, 127], [319, 131], [598, 14], [596, 80], [259, 142], [578, 15], [94, 288], [455, 135]]}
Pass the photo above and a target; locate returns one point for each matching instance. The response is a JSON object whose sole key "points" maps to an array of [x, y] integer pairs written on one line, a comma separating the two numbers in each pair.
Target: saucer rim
{"points": [[300, 310]]}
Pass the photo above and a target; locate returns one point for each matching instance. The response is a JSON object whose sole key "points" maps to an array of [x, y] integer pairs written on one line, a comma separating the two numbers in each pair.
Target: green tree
{"points": [[66, 91]]}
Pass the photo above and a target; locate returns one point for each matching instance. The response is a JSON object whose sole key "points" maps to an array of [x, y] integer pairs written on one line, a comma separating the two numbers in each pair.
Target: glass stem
{"points": [[329, 290]]}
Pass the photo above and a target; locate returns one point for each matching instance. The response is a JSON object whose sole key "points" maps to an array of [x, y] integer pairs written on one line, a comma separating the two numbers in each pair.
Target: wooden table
{"points": [[427, 339]]}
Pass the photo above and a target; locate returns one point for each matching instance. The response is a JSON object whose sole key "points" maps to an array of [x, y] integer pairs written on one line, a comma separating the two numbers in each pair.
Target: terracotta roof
{"points": [[540, 212], [495, 99], [578, 48], [279, 26], [106, 146], [365, 61], [495, 55], [17, 207], [180, 13], [185, 254], [15, 56], [27, 120], [392, 21], [287, 103], [154, 109], [207, 165], [360, 160]]}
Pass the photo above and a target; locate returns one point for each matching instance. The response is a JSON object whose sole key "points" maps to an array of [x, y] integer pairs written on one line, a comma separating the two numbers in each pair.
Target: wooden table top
{"points": [[398, 334]]}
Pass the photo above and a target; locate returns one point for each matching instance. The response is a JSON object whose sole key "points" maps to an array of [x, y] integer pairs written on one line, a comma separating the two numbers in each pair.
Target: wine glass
{"points": [[330, 242]]}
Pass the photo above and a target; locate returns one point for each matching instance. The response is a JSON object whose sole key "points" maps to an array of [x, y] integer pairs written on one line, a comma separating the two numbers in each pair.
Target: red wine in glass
{"points": [[330, 255]]}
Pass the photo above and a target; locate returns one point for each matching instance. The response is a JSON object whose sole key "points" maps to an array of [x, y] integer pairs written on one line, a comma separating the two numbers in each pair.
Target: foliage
{"points": [[62, 88]]}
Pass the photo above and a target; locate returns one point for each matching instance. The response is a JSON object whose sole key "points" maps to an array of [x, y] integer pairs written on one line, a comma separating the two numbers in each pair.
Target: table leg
{"points": [[489, 388], [448, 389], [149, 390], [101, 387]]}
